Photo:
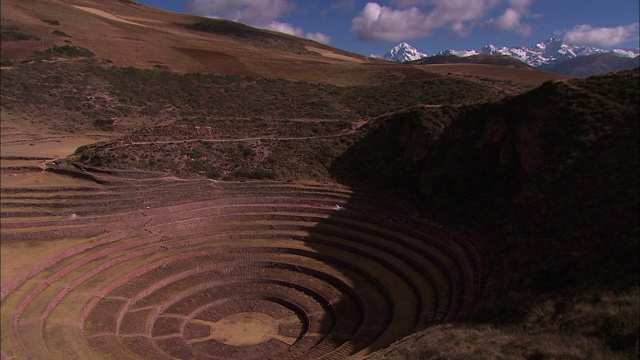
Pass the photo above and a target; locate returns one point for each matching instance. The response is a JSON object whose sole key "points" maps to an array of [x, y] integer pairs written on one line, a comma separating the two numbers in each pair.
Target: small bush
{"points": [[12, 33], [60, 33], [213, 174], [104, 124], [51, 22], [64, 51]]}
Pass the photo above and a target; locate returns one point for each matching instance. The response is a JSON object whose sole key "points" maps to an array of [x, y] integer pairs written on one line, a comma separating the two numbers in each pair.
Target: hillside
{"points": [[125, 33], [553, 174], [195, 113]]}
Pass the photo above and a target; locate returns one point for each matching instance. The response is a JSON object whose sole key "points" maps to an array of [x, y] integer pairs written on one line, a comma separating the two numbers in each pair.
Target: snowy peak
{"points": [[551, 51], [403, 52], [460, 53]]}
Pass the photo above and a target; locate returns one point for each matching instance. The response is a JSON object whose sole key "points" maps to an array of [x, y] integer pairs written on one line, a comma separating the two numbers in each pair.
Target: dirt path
{"points": [[277, 138], [107, 15]]}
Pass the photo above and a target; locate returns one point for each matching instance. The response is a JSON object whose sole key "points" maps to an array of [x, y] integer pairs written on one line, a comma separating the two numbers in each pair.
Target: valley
{"points": [[177, 187]]}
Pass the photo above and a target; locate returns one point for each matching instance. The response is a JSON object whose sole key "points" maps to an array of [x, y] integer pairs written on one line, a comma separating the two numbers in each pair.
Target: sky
{"points": [[374, 27]]}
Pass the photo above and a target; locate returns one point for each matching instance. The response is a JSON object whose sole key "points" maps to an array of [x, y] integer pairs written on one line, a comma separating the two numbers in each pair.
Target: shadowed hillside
{"points": [[552, 172]]}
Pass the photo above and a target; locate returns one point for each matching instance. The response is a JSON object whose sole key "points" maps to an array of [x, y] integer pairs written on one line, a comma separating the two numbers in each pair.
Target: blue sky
{"points": [[374, 27]]}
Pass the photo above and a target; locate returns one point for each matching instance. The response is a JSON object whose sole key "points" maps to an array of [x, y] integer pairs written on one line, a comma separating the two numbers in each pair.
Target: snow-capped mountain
{"points": [[552, 51], [403, 52]]}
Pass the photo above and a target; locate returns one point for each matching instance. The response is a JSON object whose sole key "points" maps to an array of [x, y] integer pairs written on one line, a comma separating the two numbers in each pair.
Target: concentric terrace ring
{"points": [[165, 269]]}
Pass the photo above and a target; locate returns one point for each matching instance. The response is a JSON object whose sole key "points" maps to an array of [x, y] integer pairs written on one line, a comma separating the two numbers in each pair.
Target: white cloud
{"points": [[259, 13], [383, 23], [603, 36], [297, 31], [319, 37], [285, 28], [410, 19], [511, 20], [252, 12]]}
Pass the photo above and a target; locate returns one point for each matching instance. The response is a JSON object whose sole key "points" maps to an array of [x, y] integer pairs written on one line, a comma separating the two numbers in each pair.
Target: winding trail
{"points": [[289, 138]]}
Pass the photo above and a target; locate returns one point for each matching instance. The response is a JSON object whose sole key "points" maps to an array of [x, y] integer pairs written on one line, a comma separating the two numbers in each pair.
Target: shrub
{"points": [[213, 174], [60, 33], [104, 124], [12, 33], [64, 51], [51, 22]]}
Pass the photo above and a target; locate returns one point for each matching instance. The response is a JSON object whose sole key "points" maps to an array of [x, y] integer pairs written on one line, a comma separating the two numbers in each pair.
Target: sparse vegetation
{"points": [[60, 33], [104, 124], [63, 51], [81, 90], [51, 22], [250, 35], [13, 33]]}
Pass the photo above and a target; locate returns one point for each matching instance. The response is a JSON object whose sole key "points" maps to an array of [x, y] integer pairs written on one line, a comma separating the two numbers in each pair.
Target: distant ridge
{"points": [[500, 60]]}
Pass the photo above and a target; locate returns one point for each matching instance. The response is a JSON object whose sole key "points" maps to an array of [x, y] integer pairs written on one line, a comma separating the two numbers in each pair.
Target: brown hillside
{"points": [[125, 33]]}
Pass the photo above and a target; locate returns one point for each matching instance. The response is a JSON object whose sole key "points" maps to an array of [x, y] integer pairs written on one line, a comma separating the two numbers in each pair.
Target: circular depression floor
{"points": [[166, 269]]}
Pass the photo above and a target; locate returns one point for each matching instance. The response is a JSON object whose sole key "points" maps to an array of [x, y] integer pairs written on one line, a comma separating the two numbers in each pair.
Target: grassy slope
{"points": [[156, 105]]}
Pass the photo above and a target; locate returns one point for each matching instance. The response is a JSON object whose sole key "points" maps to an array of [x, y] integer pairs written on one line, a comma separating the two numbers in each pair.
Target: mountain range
{"points": [[550, 52]]}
